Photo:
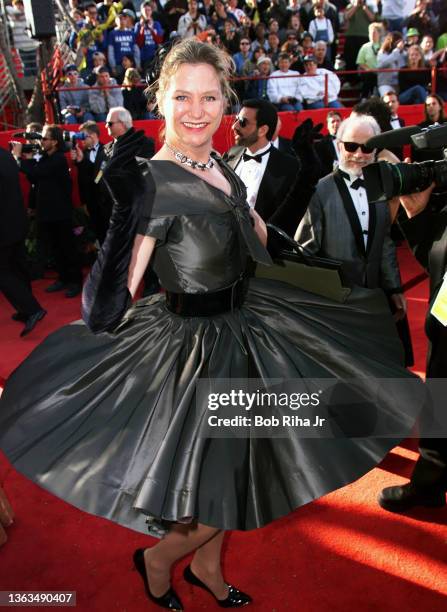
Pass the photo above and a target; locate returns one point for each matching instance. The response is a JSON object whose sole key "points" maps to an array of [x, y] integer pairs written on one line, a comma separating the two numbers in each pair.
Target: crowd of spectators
{"points": [[274, 41]]}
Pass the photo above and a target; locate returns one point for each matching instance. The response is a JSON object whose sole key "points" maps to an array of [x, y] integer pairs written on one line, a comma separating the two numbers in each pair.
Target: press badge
{"points": [[439, 308]]}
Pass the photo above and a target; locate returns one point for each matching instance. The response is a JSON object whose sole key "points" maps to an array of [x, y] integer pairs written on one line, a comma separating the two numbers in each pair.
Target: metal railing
{"points": [[341, 73]]}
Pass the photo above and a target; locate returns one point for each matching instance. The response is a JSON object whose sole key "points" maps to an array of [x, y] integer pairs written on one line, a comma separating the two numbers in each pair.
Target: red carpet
{"points": [[338, 554]]}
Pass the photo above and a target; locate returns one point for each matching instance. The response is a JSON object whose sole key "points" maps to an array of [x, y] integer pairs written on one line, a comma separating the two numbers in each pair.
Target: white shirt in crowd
{"points": [[284, 87], [312, 87], [251, 172]]}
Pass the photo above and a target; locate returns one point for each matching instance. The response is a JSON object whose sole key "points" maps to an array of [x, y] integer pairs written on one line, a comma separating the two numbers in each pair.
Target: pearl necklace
{"points": [[184, 159]]}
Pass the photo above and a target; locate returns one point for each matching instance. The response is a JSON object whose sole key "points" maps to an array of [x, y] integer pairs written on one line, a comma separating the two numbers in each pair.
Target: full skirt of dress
{"points": [[109, 422]]}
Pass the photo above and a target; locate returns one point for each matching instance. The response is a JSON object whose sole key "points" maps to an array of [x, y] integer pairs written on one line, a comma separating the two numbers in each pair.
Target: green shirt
{"points": [[358, 23], [442, 42], [367, 54]]}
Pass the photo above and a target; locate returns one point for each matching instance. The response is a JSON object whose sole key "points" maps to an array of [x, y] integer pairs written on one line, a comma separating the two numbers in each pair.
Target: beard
{"points": [[247, 141]]}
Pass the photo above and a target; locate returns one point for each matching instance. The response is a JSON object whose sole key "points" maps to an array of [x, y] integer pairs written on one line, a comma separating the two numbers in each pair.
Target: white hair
{"points": [[122, 115], [354, 121], [320, 43]]}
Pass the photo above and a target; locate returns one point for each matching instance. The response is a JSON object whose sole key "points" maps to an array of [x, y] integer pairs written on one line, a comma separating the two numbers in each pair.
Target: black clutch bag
{"points": [[293, 265]]}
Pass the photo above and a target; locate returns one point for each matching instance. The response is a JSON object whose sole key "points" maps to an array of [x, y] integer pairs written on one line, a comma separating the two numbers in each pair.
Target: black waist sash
{"points": [[208, 304]]}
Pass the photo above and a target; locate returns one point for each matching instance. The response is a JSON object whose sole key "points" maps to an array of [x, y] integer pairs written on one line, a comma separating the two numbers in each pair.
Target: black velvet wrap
{"points": [[105, 297]]}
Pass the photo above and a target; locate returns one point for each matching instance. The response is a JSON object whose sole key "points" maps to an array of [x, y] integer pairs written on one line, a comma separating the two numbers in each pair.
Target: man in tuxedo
{"points": [[14, 279], [268, 174], [88, 161], [327, 147], [426, 232], [340, 223], [392, 101]]}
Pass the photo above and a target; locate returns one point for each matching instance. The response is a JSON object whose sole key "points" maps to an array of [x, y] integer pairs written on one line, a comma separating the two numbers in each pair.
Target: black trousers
{"points": [[59, 236], [431, 468], [14, 279]]}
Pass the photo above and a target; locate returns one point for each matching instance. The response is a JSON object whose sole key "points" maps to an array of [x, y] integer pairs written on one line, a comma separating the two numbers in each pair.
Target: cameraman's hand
{"points": [[416, 202], [16, 149]]}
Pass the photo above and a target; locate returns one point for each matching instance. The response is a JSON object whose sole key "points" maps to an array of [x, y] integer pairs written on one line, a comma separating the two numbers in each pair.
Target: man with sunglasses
{"points": [[267, 173], [340, 223]]}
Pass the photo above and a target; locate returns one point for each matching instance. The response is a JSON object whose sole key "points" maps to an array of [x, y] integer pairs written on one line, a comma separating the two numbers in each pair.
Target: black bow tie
{"points": [[257, 158], [356, 183]]}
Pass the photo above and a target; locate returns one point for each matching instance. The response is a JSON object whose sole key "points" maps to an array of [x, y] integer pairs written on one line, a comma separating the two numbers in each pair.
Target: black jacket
{"points": [[326, 152], [52, 179], [147, 148], [278, 201], [12, 211], [87, 171]]}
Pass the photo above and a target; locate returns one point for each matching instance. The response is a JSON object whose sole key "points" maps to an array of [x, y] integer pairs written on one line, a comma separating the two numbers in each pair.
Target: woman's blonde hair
{"points": [[192, 51], [131, 73]]}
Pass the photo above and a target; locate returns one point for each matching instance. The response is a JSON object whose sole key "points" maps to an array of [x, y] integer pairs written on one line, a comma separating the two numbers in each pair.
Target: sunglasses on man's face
{"points": [[110, 123], [242, 121], [352, 147]]}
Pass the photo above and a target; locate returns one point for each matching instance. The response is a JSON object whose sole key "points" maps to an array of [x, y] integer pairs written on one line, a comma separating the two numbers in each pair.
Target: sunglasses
{"points": [[242, 121], [352, 147], [110, 123], [245, 43]]}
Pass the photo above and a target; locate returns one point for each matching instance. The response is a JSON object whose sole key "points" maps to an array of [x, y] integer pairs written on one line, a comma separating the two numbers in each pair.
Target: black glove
{"points": [[303, 141], [105, 297]]}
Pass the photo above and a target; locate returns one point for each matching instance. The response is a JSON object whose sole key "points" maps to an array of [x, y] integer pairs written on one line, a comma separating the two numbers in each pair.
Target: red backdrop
{"points": [[223, 138]]}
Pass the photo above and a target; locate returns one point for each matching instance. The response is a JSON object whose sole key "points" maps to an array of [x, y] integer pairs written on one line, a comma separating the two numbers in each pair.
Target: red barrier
{"points": [[223, 138]]}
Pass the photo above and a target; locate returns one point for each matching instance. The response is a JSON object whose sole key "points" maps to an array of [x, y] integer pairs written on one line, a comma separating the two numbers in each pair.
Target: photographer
{"points": [[426, 231], [191, 23], [53, 206], [88, 161]]}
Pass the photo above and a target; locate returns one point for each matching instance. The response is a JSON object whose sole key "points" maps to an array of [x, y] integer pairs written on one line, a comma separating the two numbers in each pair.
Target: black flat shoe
{"points": [[405, 497], [235, 599], [32, 321], [170, 599], [19, 316]]}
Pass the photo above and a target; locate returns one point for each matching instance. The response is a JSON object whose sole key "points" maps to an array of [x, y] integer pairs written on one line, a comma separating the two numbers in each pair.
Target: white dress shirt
{"points": [[251, 172], [93, 153], [360, 201], [395, 122]]}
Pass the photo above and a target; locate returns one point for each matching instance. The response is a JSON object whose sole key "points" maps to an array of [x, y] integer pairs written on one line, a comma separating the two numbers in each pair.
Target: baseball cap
{"points": [[128, 13], [263, 58], [413, 32], [310, 58], [70, 68]]}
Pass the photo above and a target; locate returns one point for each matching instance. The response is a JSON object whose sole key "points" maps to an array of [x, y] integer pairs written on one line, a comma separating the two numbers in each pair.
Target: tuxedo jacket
{"points": [[331, 228], [326, 152], [279, 180], [87, 171], [13, 223]]}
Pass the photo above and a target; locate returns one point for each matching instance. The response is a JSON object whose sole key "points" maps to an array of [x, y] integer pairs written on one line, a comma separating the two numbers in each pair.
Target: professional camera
{"points": [[72, 138], [27, 147], [384, 181]]}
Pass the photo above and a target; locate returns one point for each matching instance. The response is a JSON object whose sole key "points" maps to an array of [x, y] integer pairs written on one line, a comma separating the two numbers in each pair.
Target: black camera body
{"points": [[384, 180], [27, 147]]}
